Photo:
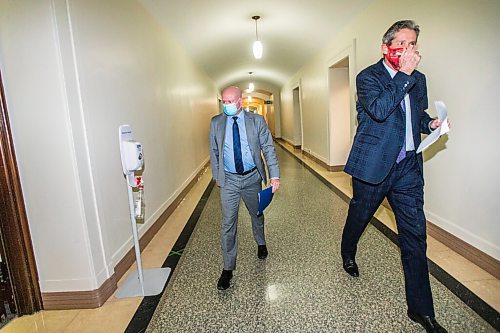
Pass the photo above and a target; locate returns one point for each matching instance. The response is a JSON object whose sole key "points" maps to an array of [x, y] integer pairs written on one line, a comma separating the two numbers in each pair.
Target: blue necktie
{"points": [[402, 153], [238, 160]]}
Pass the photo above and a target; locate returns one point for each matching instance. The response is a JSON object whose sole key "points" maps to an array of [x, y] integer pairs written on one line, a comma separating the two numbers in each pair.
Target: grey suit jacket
{"points": [[259, 140]]}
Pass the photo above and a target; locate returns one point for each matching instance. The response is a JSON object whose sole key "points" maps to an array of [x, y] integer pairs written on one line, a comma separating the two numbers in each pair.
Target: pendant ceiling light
{"points": [[251, 86], [257, 45]]}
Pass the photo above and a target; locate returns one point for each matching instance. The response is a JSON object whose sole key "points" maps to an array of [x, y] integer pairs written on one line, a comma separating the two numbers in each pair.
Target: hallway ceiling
{"points": [[218, 34]]}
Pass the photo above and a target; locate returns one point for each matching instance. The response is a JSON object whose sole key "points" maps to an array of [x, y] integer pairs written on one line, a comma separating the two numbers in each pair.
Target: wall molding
{"points": [[469, 252], [289, 142], [80, 299], [466, 250], [91, 299], [333, 168]]}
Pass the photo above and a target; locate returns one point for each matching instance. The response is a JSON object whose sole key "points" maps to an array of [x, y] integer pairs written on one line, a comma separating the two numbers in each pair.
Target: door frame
{"points": [[14, 229], [349, 53], [298, 86]]}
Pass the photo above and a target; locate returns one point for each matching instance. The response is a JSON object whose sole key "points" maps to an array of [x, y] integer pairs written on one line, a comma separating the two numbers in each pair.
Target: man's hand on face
{"points": [[409, 60]]}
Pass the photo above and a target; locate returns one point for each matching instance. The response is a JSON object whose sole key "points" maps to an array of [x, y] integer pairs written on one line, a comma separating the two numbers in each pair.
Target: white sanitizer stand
{"points": [[146, 282]]}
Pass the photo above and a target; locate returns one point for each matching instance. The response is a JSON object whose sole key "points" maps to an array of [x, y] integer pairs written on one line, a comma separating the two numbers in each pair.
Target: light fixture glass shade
{"points": [[257, 49], [251, 87]]}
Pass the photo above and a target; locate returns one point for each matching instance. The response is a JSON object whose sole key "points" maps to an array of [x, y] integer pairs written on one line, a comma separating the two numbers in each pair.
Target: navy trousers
{"points": [[404, 189]]}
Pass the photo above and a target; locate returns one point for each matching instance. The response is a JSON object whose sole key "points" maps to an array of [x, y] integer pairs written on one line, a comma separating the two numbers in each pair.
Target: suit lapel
{"points": [[415, 93], [251, 130], [221, 129], [386, 78], [384, 75], [413, 106]]}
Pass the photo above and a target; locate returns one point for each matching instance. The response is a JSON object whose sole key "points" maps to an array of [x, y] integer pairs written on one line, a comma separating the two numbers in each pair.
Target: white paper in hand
{"points": [[444, 128], [443, 116]]}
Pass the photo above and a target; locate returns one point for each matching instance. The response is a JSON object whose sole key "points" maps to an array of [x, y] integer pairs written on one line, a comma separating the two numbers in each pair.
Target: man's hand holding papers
{"points": [[443, 128]]}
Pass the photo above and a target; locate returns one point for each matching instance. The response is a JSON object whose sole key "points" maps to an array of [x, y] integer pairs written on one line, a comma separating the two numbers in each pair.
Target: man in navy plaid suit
{"points": [[392, 99]]}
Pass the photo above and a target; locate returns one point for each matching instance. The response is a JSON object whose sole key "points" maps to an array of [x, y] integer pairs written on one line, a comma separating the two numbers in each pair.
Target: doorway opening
{"points": [[297, 119], [261, 101], [339, 114]]}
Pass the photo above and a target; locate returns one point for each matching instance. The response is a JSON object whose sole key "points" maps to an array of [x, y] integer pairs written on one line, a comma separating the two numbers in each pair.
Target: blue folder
{"points": [[265, 197]]}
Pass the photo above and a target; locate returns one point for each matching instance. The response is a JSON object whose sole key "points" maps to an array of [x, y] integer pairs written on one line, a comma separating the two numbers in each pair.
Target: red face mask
{"points": [[393, 56]]}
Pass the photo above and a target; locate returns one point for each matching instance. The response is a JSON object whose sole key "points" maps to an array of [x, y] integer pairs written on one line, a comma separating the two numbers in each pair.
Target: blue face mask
{"points": [[230, 109]]}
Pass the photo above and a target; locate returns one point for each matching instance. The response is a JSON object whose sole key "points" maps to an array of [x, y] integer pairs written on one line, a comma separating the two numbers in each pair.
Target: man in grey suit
{"points": [[237, 139]]}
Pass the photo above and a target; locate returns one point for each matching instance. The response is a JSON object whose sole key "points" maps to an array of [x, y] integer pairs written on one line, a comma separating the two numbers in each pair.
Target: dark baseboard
{"points": [[287, 142], [80, 299], [315, 159], [334, 168], [95, 298], [469, 252], [476, 256]]}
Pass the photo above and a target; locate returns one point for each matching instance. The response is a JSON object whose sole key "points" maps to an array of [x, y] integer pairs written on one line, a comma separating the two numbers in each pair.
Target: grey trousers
{"points": [[236, 188]]}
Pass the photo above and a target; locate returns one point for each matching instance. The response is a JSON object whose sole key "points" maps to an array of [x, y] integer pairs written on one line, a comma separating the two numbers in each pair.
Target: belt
{"points": [[245, 172]]}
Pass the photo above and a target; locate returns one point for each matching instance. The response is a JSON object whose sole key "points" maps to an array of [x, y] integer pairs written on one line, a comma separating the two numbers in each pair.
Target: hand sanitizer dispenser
{"points": [[130, 150], [150, 281], [132, 155]]}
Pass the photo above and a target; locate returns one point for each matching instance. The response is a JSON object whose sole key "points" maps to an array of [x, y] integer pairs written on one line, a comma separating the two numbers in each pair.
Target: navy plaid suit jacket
{"points": [[381, 122]]}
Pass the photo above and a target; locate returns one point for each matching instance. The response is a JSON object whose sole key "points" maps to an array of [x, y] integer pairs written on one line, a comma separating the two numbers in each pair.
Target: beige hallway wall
{"points": [[74, 71], [460, 60]]}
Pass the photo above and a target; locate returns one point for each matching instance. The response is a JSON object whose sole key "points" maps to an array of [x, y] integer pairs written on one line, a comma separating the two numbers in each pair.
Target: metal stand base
{"points": [[154, 281]]}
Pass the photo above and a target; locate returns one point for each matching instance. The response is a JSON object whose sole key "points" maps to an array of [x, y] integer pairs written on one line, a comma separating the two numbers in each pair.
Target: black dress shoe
{"points": [[429, 323], [262, 252], [350, 267], [224, 279]]}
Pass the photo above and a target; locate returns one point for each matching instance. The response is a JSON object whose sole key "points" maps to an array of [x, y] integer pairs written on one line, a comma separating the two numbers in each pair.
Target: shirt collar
{"points": [[391, 71], [240, 115]]}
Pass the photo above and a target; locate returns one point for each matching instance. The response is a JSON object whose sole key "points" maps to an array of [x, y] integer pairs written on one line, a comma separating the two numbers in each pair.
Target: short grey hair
{"points": [[390, 34]]}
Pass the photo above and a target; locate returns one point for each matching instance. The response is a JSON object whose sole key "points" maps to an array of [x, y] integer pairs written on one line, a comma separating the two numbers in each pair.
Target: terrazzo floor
{"points": [[301, 287]]}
